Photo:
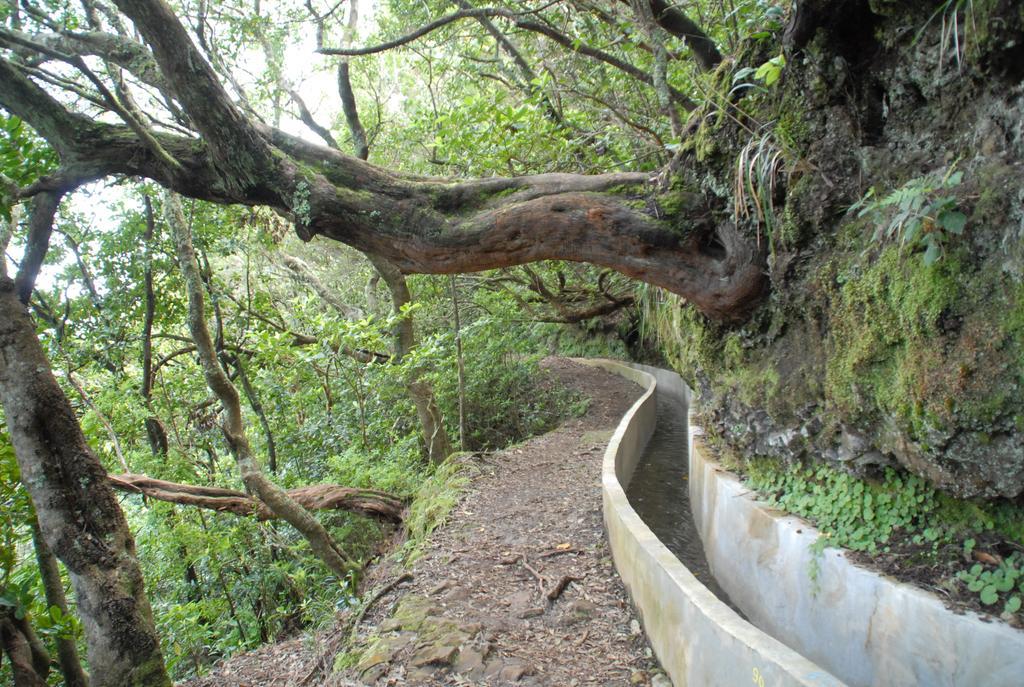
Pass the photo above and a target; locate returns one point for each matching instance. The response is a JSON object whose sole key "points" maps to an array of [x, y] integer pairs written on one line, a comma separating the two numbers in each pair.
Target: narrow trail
{"points": [[518, 588]]}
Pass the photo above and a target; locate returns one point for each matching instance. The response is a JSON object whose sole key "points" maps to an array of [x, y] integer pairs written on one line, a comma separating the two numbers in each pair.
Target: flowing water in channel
{"points": [[659, 492]]}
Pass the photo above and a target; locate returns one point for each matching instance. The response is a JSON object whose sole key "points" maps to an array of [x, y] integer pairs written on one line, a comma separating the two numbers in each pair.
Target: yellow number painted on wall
{"points": [[758, 678]]}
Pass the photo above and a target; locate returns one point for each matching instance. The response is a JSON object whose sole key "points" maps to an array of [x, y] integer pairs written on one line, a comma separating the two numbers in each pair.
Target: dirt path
{"points": [[517, 588]]}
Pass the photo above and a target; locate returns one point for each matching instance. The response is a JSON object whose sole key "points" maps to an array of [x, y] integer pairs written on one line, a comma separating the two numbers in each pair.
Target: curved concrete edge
{"points": [[698, 639], [860, 625]]}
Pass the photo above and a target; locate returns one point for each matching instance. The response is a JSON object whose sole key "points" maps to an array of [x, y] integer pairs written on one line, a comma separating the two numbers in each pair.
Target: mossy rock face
{"points": [[864, 355], [932, 356]]}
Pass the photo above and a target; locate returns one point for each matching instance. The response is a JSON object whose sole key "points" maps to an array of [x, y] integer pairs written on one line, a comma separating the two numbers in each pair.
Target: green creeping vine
{"points": [[869, 516]]}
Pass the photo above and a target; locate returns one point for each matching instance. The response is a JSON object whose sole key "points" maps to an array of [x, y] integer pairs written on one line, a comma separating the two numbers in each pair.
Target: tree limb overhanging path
{"points": [[420, 224]]}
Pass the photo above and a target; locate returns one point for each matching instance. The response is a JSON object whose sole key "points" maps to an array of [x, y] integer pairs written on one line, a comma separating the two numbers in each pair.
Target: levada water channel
{"points": [[659, 492]]}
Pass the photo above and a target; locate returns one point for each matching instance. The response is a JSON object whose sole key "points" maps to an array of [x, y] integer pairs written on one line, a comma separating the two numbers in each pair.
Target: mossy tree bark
{"points": [[78, 512]]}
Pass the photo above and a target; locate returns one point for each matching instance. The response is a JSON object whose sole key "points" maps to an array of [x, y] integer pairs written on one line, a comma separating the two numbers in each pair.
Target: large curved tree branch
{"points": [[421, 224], [24, 99]]}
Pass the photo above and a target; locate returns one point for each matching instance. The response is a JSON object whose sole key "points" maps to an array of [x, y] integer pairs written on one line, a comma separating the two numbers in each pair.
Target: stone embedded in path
{"points": [[531, 612], [514, 672], [577, 612], [411, 612], [470, 662], [440, 587], [438, 643], [434, 654]]}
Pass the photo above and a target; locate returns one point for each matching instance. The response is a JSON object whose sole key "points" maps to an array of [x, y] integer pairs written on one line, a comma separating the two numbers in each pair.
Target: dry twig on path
{"points": [[556, 591], [551, 593]]}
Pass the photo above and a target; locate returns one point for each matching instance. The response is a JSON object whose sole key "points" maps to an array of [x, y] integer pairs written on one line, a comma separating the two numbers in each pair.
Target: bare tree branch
{"points": [[537, 27], [318, 497], [423, 31], [672, 19], [307, 118]]}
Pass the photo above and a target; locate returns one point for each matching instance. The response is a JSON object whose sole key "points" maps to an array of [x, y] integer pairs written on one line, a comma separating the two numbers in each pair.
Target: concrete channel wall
{"points": [[857, 625], [864, 627], [699, 640]]}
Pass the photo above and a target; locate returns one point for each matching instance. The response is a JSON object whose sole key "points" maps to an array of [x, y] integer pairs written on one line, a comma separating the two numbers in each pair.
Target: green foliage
{"points": [[849, 512], [1003, 583], [919, 213], [757, 169], [14, 500], [873, 515], [959, 26], [437, 495], [770, 71], [24, 157], [508, 397]]}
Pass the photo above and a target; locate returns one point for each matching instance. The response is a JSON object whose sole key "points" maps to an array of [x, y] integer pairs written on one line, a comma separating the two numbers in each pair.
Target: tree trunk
{"points": [[19, 650], [435, 436], [78, 512], [257, 407], [459, 362], [67, 652], [155, 431], [275, 498]]}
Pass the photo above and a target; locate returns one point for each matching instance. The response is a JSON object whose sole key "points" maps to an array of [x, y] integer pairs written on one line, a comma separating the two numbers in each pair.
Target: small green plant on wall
{"points": [[1004, 582], [923, 212], [901, 516]]}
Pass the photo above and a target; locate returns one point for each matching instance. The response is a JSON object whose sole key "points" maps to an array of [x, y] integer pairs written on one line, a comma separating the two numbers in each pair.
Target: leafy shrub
{"points": [[917, 213]]}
